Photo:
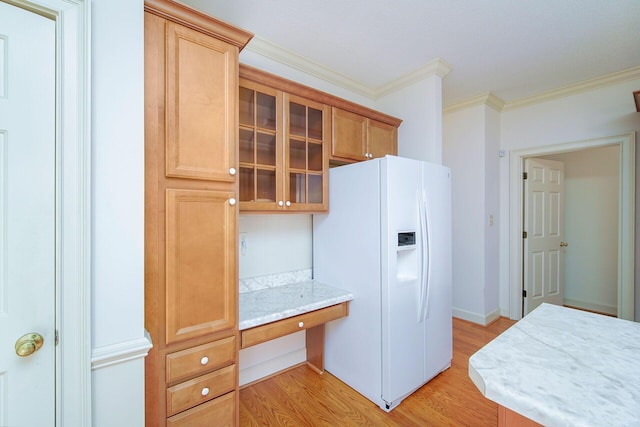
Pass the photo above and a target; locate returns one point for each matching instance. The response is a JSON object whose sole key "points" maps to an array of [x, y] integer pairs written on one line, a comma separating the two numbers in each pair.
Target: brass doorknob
{"points": [[29, 344], [563, 244]]}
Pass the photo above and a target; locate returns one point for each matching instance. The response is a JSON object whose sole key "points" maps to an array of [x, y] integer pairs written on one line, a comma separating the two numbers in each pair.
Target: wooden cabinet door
{"points": [[201, 273], [201, 105], [349, 135], [260, 147], [307, 136], [382, 139]]}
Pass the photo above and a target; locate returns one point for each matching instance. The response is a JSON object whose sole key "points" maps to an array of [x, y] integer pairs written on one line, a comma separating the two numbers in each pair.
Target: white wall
{"points": [[602, 112], [276, 243], [591, 228], [117, 212], [420, 108], [470, 148], [464, 153]]}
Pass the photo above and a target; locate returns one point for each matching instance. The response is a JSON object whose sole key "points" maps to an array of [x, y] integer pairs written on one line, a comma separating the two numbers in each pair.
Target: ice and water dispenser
{"points": [[407, 262]]}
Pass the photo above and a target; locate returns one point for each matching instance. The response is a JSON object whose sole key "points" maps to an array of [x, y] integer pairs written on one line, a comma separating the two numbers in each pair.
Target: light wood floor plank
{"points": [[301, 397]]}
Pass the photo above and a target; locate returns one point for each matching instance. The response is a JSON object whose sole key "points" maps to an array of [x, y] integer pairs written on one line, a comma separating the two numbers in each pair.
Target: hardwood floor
{"points": [[301, 397]]}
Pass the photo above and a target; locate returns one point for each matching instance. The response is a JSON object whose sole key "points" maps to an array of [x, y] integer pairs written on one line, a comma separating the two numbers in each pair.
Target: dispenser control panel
{"points": [[406, 238]]}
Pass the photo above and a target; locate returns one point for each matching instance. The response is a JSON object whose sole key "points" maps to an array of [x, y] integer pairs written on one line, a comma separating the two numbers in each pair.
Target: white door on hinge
{"points": [[544, 226], [27, 218]]}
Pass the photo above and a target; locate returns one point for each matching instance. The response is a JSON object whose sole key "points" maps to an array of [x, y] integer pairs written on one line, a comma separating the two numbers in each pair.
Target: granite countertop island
{"points": [[564, 367], [280, 302]]}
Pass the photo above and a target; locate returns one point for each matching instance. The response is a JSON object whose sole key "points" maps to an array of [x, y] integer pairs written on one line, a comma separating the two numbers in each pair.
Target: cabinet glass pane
{"points": [[246, 106], [315, 157], [297, 188], [266, 111], [297, 154], [297, 119], [266, 149], [315, 123], [315, 188], [266, 186], [247, 189], [246, 146]]}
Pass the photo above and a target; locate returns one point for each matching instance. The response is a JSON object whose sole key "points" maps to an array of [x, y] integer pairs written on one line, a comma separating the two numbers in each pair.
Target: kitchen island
{"points": [[273, 312], [563, 367]]}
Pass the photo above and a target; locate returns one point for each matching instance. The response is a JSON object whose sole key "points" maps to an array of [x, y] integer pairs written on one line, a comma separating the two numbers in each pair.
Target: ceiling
{"points": [[513, 49]]}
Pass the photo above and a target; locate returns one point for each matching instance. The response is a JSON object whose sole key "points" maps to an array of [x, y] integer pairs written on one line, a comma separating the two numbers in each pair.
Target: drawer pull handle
{"points": [[204, 360], [232, 171], [232, 201], [300, 324], [205, 391]]}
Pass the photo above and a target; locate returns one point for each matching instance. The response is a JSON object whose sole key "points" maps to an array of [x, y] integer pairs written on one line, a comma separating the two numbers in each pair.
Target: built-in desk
{"points": [[562, 367], [270, 313]]}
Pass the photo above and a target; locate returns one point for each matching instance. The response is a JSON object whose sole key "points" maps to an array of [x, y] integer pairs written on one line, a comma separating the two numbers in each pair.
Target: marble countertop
{"points": [[280, 302], [564, 367]]}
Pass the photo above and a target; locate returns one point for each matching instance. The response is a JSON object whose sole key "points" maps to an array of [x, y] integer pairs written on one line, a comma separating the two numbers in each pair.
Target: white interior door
{"points": [[543, 224], [27, 217]]}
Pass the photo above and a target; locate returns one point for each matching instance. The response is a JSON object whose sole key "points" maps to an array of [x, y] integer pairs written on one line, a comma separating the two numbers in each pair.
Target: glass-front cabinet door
{"points": [[307, 133], [284, 143], [260, 147]]}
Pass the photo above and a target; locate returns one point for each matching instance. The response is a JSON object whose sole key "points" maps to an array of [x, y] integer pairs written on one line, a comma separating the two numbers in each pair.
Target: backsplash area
{"points": [[273, 280], [274, 250]]}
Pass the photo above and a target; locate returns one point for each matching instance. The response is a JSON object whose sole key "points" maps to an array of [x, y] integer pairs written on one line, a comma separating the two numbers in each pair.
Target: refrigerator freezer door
{"points": [[403, 335]]}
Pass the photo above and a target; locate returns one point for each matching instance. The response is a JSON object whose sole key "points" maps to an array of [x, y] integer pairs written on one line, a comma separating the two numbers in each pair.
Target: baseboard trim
{"points": [[271, 367], [480, 319], [598, 308], [120, 352]]}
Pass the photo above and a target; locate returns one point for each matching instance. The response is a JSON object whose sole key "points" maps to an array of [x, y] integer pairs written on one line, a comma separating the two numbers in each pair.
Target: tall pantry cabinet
{"points": [[191, 211]]}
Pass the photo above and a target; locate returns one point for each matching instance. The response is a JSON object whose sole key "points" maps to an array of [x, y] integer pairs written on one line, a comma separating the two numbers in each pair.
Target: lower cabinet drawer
{"points": [[269, 331], [218, 412], [200, 359], [199, 390]]}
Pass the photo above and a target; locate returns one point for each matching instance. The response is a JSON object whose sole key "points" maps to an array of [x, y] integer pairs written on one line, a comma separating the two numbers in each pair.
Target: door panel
{"points": [[543, 222], [201, 266], [27, 215]]}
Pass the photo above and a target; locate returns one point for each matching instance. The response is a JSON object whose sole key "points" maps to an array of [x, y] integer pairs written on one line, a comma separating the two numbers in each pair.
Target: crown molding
{"points": [[487, 99], [291, 59], [436, 67], [584, 86], [286, 57]]}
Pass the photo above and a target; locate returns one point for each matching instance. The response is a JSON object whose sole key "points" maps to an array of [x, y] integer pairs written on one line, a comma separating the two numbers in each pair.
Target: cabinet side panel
{"points": [[201, 106], [200, 280], [154, 30]]}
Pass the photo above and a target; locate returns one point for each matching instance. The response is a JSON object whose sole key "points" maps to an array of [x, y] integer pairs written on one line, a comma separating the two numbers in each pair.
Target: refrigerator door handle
{"points": [[423, 255], [428, 257]]}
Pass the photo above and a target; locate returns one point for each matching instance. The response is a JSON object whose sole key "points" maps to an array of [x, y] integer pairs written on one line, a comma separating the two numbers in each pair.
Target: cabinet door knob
{"points": [[232, 201], [280, 203], [232, 171], [204, 360], [288, 203], [205, 391], [300, 324]]}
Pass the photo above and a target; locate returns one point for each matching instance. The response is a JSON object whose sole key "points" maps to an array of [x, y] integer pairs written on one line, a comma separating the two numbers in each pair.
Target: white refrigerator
{"points": [[387, 239]]}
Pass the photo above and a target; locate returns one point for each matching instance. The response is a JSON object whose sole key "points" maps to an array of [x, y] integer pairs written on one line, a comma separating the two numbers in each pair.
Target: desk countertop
{"points": [[280, 302], [559, 367]]}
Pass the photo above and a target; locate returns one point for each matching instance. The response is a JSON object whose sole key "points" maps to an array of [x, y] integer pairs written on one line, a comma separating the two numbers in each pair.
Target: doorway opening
{"points": [[625, 216]]}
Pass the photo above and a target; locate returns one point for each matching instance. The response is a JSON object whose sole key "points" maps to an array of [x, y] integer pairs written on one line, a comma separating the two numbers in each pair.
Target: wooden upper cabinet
{"points": [[358, 137], [284, 143], [349, 135], [382, 139], [201, 105]]}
